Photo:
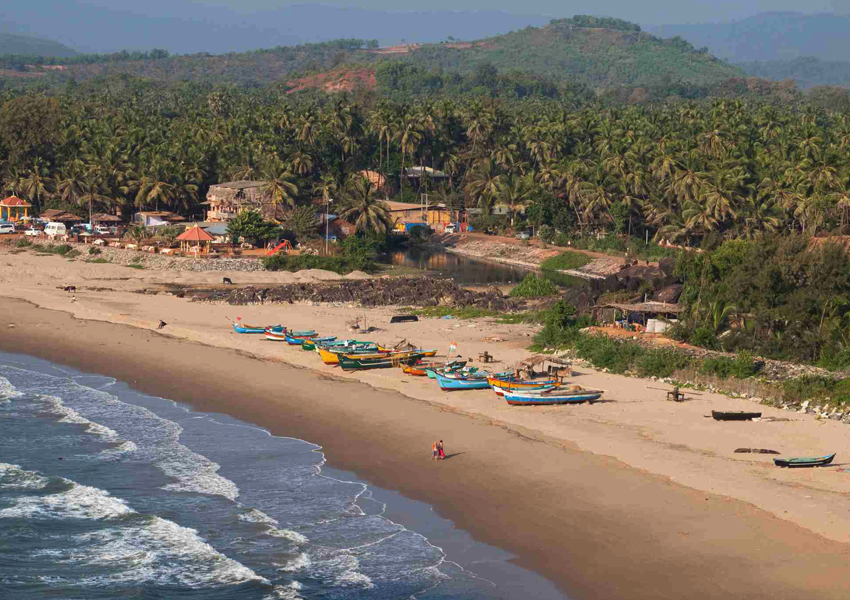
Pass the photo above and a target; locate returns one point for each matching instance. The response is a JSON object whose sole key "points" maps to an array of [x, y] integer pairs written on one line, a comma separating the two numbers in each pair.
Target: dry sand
{"points": [[635, 497]]}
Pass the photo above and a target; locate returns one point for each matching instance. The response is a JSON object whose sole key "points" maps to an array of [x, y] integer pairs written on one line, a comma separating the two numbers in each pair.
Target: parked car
{"points": [[32, 232], [450, 228], [100, 230], [7, 228], [522, 235]]}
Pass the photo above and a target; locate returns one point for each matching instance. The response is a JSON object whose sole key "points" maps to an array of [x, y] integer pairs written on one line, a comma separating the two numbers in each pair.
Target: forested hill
{"points": [[596, 52], [30, 46], [600, 52]]}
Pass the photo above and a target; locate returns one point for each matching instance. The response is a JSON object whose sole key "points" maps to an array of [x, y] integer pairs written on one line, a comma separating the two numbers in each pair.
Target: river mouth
{"points": [[468, 271]]}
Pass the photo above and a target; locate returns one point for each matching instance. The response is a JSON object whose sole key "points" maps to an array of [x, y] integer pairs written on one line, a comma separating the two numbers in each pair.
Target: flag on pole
{"points": [[453, 348]]}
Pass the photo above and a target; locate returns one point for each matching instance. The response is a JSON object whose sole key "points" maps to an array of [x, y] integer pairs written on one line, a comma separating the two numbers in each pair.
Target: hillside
{"points": [[25, 45], [770, 36], [588, 50], [600, 53], [806, 71]]}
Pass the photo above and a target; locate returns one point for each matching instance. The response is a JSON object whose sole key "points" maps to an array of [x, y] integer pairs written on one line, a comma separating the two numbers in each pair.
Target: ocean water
{"points": [[108, 493]]}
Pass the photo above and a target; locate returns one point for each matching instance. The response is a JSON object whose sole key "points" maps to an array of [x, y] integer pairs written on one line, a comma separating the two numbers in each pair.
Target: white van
{"points": [[54, 229]]}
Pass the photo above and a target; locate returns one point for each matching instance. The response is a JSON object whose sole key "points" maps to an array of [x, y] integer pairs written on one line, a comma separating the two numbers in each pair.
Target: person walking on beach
{"points": [[440, 449], [434, 451]]}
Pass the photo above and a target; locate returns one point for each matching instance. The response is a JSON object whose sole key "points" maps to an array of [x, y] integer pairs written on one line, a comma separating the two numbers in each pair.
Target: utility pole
{"points": [[327, 222]]}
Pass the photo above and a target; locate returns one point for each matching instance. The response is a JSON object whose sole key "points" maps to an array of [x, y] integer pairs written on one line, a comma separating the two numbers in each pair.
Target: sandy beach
{"points": [[634, 497]]}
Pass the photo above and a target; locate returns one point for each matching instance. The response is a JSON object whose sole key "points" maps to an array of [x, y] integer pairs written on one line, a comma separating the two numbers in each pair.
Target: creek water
{"points": [[468, 271]]}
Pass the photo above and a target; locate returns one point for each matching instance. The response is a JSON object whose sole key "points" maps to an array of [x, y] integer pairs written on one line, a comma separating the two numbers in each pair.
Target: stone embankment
{"points": [[407, 291], [161, 262]]}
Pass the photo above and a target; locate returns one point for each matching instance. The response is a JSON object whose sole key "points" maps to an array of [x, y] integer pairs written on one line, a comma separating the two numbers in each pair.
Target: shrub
{"points": [[813, 387], [534, 287], [606, 353], [662, 362], [546, 233], [23, 243], [99, 261], [94, 251], [136, 266], [72, 254], [338, 264], [741, 367], [61, 249], [562, 239], [566, 261], [704, 337]]}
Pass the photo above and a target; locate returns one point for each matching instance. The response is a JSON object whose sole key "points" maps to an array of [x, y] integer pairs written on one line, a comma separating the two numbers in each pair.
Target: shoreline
{"points": [[575, 533]]}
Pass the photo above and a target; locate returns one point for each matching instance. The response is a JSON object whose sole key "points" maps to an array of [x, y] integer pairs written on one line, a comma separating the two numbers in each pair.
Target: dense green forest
{"points": [[679, 171]]}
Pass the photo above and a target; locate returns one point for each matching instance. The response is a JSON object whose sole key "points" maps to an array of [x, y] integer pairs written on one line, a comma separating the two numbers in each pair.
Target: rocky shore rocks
{"points": [[408, 291]]}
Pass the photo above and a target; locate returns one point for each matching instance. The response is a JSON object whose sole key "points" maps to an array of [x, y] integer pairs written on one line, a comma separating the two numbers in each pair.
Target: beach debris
{"points": [[161, 324], [755, 451], [494, 338]]}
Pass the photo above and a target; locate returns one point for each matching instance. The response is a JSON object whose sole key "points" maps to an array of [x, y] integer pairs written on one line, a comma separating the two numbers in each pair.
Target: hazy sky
{"points": [[650, 12]]}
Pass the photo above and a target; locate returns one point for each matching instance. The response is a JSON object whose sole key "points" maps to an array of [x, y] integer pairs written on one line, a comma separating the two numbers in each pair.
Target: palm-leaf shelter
{"points": [[641, 312], [195, 238]]}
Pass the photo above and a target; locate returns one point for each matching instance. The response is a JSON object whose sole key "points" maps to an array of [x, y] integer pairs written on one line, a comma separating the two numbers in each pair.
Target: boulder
{"points": [[669, 294]]}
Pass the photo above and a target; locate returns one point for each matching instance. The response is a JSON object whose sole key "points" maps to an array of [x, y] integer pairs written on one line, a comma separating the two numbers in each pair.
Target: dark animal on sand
{"points": [[161, 324], [226, 280], [68, 288]]}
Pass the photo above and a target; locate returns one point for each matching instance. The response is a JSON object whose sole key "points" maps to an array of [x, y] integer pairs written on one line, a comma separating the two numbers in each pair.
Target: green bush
{"points": [[606, 353], [562, 240], [136, 266], [566, 261], [661, 362], [94, 251], [813, 387], [740, 367], [338, 264], [546, 233], [534, 287], [61, 249], [72, 254], [704, 337], [23, 243], [99, 261]]}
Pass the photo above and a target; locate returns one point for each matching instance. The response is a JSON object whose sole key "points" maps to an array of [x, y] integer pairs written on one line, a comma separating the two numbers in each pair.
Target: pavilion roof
{"points": [[15, 201], [196, 234]]}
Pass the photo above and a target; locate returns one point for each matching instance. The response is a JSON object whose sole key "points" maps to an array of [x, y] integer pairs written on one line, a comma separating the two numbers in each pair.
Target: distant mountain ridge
{"points": [[196, 28], [806, 71], [22, 44], [770, 36]]}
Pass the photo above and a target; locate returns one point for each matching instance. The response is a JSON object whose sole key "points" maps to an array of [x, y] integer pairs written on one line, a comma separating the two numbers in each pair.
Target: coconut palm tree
{"points": [[279, 186], [363, 208]]}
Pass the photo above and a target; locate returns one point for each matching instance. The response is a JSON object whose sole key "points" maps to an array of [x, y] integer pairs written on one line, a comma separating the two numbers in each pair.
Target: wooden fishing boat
{"points": [[383, 360], [513, 384], [450, 384], [245, 328], [818, 461], [734, 416], [421, 369], [274, 336], [337, 345], [536, 390], [547, 398], [297, 340], [330, 355]]}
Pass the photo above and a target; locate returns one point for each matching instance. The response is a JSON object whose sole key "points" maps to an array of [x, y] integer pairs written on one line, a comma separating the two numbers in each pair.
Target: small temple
{"points": [[14, 209]]}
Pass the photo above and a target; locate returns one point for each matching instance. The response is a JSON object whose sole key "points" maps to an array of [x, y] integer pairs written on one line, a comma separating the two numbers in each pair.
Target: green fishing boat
{"points": [[358, 362]]}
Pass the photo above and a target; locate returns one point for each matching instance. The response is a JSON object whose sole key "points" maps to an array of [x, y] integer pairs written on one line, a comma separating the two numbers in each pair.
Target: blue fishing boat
{"points": [[547, 398], [243, 328], [449, 384]]}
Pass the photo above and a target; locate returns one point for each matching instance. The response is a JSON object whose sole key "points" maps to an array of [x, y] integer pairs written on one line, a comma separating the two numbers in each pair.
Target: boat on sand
{"points": [[817, 461]]}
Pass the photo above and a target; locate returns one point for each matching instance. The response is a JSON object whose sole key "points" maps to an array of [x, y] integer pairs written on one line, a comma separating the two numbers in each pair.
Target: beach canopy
{"points": [[196, 234]]}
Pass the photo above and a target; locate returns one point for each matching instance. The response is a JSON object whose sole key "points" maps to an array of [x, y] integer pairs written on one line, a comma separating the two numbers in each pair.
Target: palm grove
{"points": [[685, 172]]}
